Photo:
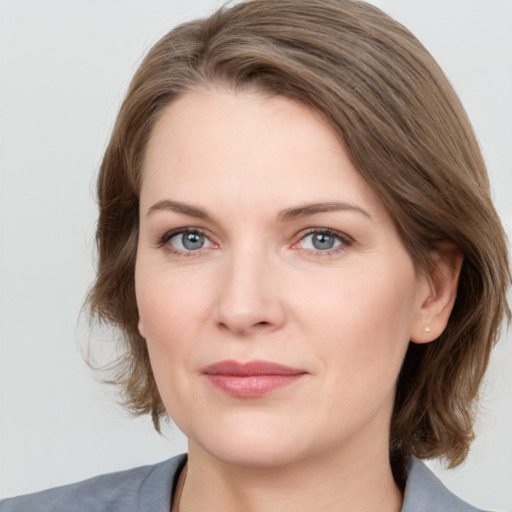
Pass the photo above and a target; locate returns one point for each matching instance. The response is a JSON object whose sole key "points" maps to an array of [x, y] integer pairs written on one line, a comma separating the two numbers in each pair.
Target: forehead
{"points": [[248, 149]]}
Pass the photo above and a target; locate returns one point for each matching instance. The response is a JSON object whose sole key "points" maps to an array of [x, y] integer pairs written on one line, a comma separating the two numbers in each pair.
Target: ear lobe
{"points": [[438, 294], [140, 327]]}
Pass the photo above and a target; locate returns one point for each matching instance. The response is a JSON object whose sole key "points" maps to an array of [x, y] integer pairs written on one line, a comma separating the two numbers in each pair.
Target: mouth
{"points": [[251, 379]]}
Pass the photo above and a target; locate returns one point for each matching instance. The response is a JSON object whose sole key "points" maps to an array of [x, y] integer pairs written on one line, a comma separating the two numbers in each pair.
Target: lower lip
{"points": [[251, 386]]}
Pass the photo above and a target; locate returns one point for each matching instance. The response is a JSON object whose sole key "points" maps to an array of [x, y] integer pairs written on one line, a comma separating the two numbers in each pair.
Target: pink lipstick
{"points": [[252, 379]]}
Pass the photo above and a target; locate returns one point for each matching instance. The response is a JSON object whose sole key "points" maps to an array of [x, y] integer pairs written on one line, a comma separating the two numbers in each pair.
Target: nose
{"points": [[249, 299]]}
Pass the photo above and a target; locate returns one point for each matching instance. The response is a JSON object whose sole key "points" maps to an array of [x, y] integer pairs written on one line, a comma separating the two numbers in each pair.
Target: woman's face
{"points": [[260, 243]]}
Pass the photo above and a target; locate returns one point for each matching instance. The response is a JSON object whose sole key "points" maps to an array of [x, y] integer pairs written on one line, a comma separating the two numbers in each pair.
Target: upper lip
{"points": [[250, 368]]}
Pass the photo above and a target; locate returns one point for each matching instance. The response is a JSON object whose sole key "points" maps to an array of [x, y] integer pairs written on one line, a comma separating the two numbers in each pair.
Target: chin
{"points": [[255, 455], [256, 444]]}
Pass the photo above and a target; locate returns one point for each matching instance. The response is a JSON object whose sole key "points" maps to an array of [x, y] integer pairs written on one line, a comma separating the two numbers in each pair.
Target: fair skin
{"points": [[259, 241]]}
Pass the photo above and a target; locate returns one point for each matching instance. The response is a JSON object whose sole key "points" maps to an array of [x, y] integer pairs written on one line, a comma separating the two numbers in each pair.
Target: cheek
{"points": [[361, 350], [362, 324], [171, 313], [172, 308]]}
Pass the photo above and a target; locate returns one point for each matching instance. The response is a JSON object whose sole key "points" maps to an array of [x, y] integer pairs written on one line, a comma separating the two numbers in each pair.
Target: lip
{"points": [[250, 379]]}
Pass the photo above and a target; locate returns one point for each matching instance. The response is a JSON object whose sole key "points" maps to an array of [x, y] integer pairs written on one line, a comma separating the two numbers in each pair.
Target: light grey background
{"points": [[64, 67]]}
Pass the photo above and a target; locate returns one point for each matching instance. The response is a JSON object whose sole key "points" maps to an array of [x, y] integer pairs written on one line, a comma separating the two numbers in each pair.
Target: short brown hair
{"points": [[405, 132]]}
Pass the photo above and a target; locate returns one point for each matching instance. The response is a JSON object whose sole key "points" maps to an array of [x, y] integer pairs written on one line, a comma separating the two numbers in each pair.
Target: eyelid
{"points": [[163, 240], [346, 240]]}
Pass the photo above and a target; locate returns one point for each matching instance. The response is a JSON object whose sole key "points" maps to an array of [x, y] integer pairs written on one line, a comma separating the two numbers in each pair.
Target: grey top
{"points": [[150, 489]]}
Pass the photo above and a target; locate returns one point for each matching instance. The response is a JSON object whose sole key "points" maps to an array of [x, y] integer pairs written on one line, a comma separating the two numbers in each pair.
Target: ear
{"points": [[140, 326], [437, 293]]}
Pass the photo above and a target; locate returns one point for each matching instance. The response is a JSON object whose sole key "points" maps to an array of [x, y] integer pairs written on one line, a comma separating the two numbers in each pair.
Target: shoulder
{"points": [[424, 492], [146, 488]]}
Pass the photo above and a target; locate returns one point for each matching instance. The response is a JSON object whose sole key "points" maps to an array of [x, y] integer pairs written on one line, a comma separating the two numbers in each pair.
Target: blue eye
{"points": [[188, 241], [323, 240]]}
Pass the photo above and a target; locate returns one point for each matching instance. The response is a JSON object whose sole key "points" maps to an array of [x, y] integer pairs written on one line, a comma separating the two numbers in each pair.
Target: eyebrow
{"points": [[286, 215], [178, 207], [311, 209]]}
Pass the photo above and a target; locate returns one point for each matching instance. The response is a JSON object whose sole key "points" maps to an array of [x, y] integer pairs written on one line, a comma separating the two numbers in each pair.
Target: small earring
{"points": [[427, 329]]}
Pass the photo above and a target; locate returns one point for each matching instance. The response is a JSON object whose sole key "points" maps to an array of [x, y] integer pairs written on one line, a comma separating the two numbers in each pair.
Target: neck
{"points": [[355, 482]]}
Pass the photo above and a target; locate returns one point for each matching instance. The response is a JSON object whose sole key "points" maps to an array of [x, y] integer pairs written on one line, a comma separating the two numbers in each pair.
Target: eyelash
{"points": [[163, 241], [345, 241]]}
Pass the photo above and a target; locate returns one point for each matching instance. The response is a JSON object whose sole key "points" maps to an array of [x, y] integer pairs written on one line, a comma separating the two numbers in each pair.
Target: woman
{"points": [[297, 240]]}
